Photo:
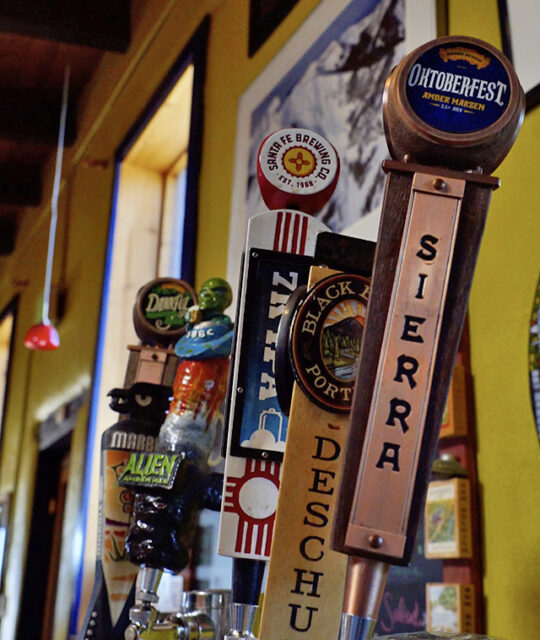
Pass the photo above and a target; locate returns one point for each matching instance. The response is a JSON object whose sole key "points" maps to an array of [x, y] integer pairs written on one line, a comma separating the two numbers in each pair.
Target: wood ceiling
{"points": [[37, 39]]}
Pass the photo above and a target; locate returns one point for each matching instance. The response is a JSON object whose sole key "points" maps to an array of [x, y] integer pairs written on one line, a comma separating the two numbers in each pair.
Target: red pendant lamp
{"points": [[44, 336]]}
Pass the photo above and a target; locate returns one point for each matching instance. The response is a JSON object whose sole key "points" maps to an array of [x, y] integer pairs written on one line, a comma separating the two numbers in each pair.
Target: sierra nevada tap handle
{"points": [[455, 105]]}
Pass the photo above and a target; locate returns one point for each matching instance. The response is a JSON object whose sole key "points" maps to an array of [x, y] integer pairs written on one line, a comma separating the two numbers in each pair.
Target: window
{"points": [[7, 322], [152, 234]]}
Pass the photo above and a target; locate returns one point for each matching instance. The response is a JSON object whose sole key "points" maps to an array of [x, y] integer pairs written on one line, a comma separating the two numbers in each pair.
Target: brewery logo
{"points": [[165, 305], [472, 56], [152, 470], [298, 161], [252, 497], [326, 339], [160, 311], [458, 89]]}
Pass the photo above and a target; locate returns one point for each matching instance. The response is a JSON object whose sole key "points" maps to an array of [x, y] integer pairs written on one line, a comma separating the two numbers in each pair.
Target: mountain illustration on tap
{"points": [[340, 346]]}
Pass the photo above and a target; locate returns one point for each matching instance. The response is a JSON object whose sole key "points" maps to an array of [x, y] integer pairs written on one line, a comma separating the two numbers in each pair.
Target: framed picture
{"points": [[264, 17], [447, 519], [329, 77], [454, 421], [450, 607], [519, 36]]}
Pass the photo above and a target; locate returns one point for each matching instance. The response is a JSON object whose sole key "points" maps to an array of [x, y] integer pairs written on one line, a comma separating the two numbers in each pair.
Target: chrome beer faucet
{"points": [[203, 615]]}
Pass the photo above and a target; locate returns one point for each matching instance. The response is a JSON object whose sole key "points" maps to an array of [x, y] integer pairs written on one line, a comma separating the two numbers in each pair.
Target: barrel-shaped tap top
{"points": [[297, 169], [454, 102]]}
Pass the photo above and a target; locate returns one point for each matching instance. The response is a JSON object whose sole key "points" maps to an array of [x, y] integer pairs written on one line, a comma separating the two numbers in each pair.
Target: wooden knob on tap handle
{"points": [[454, 102]]}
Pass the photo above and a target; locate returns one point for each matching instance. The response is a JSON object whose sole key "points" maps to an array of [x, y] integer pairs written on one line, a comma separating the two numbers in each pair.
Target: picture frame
{"points": [[520, 44], [454, 421], [447, 519], [325, 48], [450, 607], [264, 18]]}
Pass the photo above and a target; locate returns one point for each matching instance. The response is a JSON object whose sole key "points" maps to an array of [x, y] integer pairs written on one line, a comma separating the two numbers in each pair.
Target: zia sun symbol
{"points": [[253, 498], [299, 162]]}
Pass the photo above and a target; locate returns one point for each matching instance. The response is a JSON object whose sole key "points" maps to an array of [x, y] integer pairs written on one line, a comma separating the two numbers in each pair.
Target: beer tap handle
{"points": [[366, 580], [431, 225], [297, 172], [142, 404], [246, 589]]}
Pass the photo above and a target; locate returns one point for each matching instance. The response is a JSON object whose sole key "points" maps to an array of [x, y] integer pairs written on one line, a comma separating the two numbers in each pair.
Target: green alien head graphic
{"points": [[215, 296]]}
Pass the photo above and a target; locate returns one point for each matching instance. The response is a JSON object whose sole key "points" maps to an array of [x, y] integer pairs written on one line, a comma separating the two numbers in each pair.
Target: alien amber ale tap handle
{"points": [[142, 404], [173, 482]]}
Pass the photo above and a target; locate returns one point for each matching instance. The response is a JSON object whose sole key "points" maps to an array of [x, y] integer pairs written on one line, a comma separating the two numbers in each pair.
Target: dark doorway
{"points": [[41, 574]]}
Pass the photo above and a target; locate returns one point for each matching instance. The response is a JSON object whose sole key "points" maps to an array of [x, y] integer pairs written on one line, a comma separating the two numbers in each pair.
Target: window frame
{"points": [[10, 308], [195, 52]]}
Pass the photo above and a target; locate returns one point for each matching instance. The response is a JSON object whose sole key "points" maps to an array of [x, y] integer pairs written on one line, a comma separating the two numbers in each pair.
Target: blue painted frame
{"points": [[193, 53], [10, 308]]}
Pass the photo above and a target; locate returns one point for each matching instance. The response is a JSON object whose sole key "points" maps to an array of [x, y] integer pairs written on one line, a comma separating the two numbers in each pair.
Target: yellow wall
{"points": [[500, 310], [120, 91], [500, 306]]}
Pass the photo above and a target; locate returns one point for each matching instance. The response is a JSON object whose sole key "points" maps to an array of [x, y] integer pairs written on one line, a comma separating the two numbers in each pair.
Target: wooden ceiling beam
{"points": [[34, 116], [20, 185], [101, 25]]}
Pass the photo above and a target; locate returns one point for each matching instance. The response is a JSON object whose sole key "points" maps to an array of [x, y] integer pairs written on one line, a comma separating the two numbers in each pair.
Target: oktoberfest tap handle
{"points": [[454, 105], [297, 172]]}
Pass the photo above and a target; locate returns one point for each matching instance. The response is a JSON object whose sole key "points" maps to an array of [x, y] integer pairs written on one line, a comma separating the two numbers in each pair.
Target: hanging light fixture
{"points": [[43, 336]]}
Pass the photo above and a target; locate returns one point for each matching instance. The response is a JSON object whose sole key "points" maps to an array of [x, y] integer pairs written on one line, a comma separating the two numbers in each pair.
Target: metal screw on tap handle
{"points": [[140, 619], [131, 632]]}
